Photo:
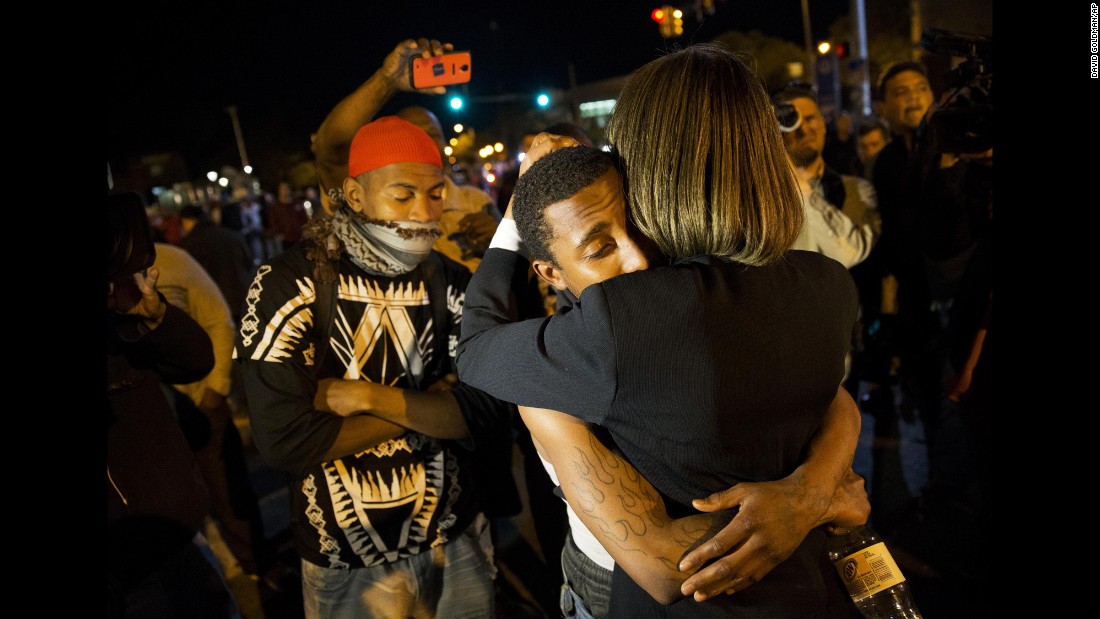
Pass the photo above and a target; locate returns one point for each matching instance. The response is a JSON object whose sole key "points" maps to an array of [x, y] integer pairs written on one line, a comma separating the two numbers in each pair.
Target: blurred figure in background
{"points": [[222, 253], [840, 149], [286, 216], [469, 215], [935, 184], [874, 135], [227, 259], [246, 216], [246, 555], [507, 183], [906, 97], [158, 562]]}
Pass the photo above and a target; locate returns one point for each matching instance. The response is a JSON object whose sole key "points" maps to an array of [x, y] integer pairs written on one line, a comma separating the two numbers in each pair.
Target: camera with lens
{"points": [[785, 112], [788, 117], [964, 124]]}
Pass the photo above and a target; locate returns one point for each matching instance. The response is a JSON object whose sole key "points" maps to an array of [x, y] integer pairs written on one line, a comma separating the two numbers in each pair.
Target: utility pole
{"points": [[860, 32], [915, 29], [811, 59], [232, 110]]}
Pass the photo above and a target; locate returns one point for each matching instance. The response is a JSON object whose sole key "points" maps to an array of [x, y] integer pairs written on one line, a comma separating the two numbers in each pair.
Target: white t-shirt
{"points": [[830, 231], [584, 539]]}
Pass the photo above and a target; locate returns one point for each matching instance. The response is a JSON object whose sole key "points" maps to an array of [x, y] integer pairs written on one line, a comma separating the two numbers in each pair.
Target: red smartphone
{"points": [[450, 68]]}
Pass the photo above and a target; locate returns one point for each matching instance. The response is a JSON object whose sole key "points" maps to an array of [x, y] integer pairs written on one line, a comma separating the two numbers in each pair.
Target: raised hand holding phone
{"points": [[443, 70], [397, 67]]}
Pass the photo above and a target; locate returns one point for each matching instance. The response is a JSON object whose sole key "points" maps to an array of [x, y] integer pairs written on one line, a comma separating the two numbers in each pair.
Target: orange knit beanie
{"points": [[387, 140]]}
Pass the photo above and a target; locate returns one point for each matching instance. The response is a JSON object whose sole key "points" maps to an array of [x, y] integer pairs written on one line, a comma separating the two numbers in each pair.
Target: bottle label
{"points": [[868, 571]]}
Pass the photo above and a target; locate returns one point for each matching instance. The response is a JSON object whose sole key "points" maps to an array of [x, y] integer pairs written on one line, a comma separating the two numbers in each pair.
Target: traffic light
{"points": [[663, 16], [542, 99], [669, 19], [457, 103], [842, 50]]}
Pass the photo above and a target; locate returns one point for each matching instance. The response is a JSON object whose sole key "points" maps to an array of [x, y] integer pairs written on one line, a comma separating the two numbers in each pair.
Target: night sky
{"points": [[174, 67]]}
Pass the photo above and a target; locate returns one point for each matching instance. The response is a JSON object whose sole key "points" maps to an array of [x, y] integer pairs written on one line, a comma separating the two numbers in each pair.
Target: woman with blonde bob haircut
{"points": [[710, 373], [704, 161]]}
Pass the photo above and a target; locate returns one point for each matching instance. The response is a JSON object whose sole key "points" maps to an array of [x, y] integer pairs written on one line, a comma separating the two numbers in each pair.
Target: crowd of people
{"points": [[678, 336]]}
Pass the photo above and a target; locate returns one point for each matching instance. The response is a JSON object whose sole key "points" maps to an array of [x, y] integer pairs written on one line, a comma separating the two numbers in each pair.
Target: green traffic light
{"points": [[543, 99], [456, 103]]}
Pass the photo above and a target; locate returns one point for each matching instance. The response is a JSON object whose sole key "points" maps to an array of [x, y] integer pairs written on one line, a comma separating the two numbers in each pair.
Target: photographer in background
{"points": [[841, 212], [935, 195]]}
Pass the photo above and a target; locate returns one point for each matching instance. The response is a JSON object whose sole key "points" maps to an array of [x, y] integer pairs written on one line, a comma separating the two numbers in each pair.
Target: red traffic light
{"points": [[658, 15]]}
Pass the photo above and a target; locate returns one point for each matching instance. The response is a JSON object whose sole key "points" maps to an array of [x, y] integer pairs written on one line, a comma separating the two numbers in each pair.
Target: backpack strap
{"points": [[324, 312], [436, 285]]}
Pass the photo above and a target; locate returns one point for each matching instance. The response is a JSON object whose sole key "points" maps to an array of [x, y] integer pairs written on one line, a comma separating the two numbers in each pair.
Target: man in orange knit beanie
{"points": [[346, 349]]}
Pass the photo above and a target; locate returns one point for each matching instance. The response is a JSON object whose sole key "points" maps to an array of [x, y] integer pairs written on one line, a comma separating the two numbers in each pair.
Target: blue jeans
{"points": [[586, 593], [572, 606], [454, 580]]}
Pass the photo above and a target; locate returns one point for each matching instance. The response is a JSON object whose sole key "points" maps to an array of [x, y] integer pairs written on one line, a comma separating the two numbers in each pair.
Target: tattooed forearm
{"points": [[594, 486], [698, 529], [604, 485]]}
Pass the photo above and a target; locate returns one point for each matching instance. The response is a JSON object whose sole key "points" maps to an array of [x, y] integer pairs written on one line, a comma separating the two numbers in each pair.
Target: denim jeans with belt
{"points": [[452, 581]]}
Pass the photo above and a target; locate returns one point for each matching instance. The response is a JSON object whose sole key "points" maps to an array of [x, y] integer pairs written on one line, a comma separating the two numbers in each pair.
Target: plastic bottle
{"points": [[870, 574]]}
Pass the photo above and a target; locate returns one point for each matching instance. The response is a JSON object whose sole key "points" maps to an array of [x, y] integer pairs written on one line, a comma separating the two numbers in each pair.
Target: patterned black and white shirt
{"points": [[399, 497]]}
